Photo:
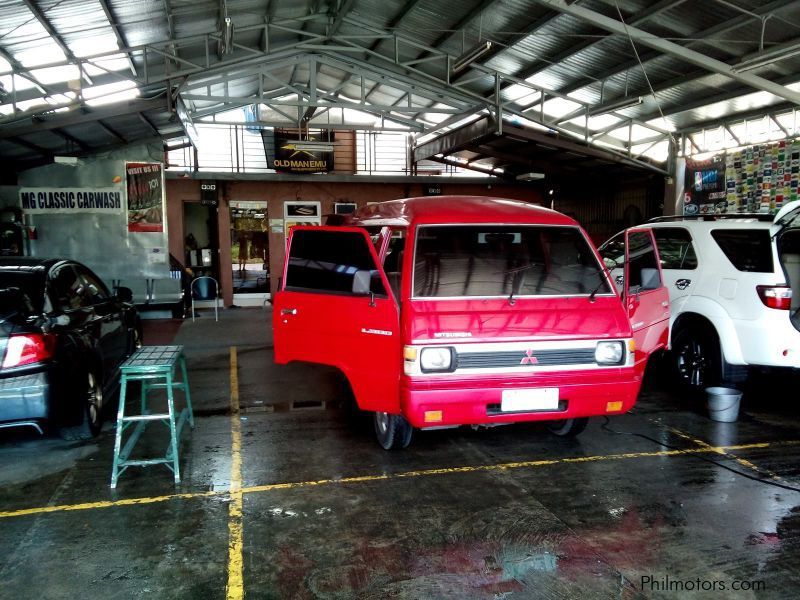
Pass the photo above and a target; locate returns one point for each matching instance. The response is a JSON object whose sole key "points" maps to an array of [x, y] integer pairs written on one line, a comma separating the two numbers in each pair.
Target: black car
{"points": [[63, 336]]}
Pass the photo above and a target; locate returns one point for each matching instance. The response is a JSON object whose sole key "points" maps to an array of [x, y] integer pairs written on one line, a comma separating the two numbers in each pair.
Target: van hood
{"points": [[787, 217], [493, 319]]}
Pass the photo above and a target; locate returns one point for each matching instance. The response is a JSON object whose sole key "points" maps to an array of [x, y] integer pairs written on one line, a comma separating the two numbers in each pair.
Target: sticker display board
{"points": [[759, 178]]}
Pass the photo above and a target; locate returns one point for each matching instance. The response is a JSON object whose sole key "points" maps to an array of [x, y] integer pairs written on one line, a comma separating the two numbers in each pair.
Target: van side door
{"points": [[334, 308], [645, 296]]}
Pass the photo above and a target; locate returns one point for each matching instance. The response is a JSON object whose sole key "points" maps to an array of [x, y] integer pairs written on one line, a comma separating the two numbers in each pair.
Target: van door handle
{"points": [[665, 303], [288, 311]]}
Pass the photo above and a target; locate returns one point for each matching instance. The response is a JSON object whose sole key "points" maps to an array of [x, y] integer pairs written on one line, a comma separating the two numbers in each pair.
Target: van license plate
{"points": [[522, 400]]}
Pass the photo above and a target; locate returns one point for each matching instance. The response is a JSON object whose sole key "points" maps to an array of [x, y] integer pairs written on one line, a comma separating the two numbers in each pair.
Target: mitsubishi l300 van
{"points": [[461, 310]]}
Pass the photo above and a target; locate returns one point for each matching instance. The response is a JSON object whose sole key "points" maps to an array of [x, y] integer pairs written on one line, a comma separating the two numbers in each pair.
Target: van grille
{"points": [[521, 358]]}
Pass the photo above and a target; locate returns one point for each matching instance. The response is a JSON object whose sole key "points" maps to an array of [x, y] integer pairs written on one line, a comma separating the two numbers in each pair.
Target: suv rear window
{"points": [[495, 260], [747, 249]]}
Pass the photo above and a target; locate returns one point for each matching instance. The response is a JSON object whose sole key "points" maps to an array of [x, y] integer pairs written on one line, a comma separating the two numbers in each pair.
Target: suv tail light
{"points": [[775, 296], [29, 348]]}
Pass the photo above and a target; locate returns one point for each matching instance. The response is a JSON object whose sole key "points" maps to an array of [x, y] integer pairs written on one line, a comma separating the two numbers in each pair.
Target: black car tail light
{"points": [[29, 348]]}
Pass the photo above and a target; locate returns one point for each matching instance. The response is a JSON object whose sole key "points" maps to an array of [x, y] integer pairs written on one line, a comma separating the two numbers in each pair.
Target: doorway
{"points": [[201, 241], [249, 250]]}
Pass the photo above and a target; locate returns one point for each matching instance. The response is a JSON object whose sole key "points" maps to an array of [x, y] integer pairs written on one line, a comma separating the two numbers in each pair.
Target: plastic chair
{"points": [[203, 289]]}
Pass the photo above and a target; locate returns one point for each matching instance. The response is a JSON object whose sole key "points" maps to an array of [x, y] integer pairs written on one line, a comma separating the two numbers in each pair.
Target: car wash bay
{"points": [[286, 494]]}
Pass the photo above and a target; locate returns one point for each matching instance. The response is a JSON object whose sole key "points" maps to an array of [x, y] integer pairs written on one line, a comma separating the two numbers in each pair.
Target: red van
{"points": [[462, 310]]}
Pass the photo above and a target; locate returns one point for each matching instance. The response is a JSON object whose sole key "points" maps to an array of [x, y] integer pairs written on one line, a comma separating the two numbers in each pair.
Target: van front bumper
{"points": [[446, 401]]}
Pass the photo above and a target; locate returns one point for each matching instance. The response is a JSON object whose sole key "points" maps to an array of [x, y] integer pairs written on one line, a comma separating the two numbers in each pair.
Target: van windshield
{"points": [[504, 260]]}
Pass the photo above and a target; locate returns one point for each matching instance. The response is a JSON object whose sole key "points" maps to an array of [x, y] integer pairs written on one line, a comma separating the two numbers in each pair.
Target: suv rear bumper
{"points": [[771, 341], [476, 401]]}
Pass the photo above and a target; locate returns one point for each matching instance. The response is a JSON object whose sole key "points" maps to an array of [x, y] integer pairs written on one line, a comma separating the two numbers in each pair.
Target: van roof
{"points": [[455, 209]]}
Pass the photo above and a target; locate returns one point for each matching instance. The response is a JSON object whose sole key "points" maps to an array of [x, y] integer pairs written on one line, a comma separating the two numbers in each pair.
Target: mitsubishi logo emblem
{"points": [[529, 358]]}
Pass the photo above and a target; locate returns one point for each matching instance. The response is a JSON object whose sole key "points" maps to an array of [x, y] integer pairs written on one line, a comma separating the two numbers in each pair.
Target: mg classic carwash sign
{"points": [[302, 156], [70, 200]]}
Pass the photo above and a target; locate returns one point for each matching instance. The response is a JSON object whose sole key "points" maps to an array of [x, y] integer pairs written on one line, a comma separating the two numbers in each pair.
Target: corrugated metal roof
{"points": [[399, 48]]}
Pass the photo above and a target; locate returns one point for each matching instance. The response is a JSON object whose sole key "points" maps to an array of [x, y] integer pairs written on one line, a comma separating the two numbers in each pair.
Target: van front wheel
{"points": [[393, 431], [568, 427]]}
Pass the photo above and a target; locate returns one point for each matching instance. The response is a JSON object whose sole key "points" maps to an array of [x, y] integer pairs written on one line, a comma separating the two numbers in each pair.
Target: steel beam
{"points": [[691, 56]]}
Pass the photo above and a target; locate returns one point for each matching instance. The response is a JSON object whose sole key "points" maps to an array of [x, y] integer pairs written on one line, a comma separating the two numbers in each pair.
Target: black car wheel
{"points": [[696, 358], [393, 431], [568, 427], [91, 411]]}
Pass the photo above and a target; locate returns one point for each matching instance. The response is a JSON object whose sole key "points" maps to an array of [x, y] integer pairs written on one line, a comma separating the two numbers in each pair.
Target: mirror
{"points": [[125, 294], [361, 282]]}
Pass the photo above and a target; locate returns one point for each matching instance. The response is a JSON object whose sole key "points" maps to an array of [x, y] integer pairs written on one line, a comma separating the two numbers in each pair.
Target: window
{"points": [[613, 252], [747, 249], [642, 263], [95, 290], [675, 248], [337, 262], [27, 285], [493, 260], [68, 288]]}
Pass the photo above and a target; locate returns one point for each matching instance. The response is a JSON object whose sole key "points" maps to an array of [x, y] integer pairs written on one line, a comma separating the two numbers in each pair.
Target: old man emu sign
{"points": [[301, 156]]}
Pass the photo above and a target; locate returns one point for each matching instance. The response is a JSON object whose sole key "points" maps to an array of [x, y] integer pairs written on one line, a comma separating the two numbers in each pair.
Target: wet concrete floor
{"points": [[318, 510]]}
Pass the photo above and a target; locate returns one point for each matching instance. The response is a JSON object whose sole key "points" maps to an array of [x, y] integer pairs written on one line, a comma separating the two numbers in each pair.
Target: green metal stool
{"points": [[155, 367]]}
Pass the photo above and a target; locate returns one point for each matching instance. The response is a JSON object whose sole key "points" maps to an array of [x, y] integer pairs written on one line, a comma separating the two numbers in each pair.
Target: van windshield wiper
{"points": [[603, 281], [516, 283]]}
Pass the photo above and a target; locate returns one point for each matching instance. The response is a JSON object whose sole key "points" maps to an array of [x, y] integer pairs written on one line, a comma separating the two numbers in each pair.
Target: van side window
{"points": [[642, 259], [675, 248], [335, 262]]}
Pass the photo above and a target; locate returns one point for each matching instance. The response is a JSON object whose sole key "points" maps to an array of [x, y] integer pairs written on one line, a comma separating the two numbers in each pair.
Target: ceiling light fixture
{"points": [[466, 59], [602, 109], [762, 59], [530, 176]]}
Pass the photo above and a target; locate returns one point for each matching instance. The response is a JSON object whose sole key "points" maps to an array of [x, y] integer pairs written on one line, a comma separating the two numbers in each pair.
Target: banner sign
{"points": [[704, 187], [70, 200], [306, 156], [145, 197]]}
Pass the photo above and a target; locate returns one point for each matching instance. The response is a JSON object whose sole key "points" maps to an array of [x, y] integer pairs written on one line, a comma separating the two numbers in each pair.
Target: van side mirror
{"points": [[650, 279], [361, 282]]}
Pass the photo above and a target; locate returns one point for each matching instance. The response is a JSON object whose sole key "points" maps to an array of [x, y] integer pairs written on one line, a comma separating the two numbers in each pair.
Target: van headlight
{"points": [[436, 359], [609, 353]]}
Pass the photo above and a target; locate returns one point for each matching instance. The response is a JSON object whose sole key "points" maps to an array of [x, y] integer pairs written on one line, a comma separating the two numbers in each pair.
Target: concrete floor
{"points": [[322, 512]]}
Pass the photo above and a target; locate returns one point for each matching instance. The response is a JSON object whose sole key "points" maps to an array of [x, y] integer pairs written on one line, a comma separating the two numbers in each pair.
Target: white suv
{"points": [[734, 289]]}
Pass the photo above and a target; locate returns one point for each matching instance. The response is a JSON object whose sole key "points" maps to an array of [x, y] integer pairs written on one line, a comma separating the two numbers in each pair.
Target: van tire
{"points": [[568, 427], [392, 431], [696, 358]]}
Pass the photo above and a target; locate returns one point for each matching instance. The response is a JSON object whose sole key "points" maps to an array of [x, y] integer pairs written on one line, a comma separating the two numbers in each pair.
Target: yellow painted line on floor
{"points": [[235, 587], [742, 461], [392, 476], [508, 466]]}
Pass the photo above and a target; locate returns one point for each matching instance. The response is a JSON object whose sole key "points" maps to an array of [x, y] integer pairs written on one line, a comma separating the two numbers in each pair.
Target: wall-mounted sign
{"points": [[344, 208], [70, 200], [301, 156], [145, 197], [433, 190], [208, 193], [300, 212]]}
